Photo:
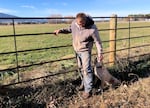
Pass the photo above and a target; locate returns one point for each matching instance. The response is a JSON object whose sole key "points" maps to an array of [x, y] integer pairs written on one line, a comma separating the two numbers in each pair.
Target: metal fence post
{"points": [[112, 39], [15, 44], [129, 41]]}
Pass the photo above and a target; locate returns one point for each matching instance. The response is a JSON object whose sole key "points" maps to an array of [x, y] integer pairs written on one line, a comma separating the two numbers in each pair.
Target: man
{"points": [[84, 34]]}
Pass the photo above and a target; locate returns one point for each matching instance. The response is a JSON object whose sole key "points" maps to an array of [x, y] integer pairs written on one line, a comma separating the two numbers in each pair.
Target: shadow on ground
{"points": [[59, 95]]}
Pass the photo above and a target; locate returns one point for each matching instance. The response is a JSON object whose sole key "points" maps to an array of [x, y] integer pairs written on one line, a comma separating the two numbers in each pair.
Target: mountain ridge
{"points": [[25, 21], [4, 15]]}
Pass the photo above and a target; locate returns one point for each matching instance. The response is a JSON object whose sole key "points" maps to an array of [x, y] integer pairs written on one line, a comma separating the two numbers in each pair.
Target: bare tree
{"points": [[69, 19], [55, 19]]}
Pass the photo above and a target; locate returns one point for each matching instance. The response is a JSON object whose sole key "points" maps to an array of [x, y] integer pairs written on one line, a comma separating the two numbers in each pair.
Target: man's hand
{"points": [[56, 32], [100, 58]]}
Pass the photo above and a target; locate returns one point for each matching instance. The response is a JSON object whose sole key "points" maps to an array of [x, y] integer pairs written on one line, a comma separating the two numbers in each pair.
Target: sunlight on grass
{"points": [[45, 41]]}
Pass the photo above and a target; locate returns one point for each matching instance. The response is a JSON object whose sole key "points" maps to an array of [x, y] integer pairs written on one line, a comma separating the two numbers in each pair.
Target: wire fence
{"points": [[128, 37]]}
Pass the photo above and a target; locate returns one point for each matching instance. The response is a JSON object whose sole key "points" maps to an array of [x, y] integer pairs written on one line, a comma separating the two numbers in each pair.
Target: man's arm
{"points": [[98, 44], [64, 30]]}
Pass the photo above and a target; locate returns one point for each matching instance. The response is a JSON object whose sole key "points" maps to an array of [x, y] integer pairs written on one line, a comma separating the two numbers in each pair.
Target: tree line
{"points": [[69, 19]]}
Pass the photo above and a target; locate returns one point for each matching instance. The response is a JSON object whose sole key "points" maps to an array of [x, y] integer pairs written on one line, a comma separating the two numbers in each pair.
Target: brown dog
{"points": [[103, 74]]}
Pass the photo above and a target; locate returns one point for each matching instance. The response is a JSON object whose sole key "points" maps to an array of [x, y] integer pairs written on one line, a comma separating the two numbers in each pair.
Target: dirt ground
{"points": [[66, 95], [51, 93]]}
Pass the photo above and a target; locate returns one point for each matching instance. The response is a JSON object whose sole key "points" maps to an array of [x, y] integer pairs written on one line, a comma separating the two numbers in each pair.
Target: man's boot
{"points": [[86, 95]]}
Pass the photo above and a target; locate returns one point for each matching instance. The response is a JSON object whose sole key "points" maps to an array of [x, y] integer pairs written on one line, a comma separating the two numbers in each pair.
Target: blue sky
{"points": [[45, 8]]}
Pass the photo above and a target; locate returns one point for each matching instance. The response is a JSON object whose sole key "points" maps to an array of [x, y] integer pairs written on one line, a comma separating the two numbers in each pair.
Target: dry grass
{"points": [[64, 95], [136, 95]]}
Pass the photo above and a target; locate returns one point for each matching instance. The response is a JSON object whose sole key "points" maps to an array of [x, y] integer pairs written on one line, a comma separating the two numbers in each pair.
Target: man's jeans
{"points": [[84, 63]]}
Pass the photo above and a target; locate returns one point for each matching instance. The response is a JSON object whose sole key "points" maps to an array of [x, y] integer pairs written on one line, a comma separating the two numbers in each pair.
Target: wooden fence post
{"points": [[112, 39]]}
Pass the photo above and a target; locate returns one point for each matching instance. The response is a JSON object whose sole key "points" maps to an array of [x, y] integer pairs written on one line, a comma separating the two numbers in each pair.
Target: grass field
{"points": [[42, 41], [57, 90]]}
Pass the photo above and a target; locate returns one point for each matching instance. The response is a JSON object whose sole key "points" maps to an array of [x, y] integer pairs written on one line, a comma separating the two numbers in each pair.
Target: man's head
{"points": [[81, 19]]}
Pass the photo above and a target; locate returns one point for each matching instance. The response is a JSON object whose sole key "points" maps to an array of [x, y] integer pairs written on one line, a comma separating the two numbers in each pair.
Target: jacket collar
{"points": [[79, 26]]}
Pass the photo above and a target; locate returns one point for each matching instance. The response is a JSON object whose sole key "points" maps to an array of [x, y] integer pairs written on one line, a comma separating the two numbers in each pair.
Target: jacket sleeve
{"points": [[66, 30], [97, 41]]}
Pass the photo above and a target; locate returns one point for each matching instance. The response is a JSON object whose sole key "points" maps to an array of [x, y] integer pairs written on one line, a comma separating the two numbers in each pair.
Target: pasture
{"points": [[50, 40], [63, 94]]}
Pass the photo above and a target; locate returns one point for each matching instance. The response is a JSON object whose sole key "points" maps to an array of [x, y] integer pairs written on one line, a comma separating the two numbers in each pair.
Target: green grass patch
{"points": [[44, 41]]}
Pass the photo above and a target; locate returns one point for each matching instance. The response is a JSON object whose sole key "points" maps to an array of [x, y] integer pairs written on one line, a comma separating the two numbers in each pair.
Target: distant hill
{"points": [[24, 21], [3, 15]]}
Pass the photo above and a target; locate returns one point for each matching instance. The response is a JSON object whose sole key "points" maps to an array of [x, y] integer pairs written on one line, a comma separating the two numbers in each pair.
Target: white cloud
{"points": [[64, 4], [28, 6], [61, 4], [44, 12]]}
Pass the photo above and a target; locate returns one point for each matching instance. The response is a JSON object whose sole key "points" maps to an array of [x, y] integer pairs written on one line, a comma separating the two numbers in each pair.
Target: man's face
{"points": [[81, 22]]}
